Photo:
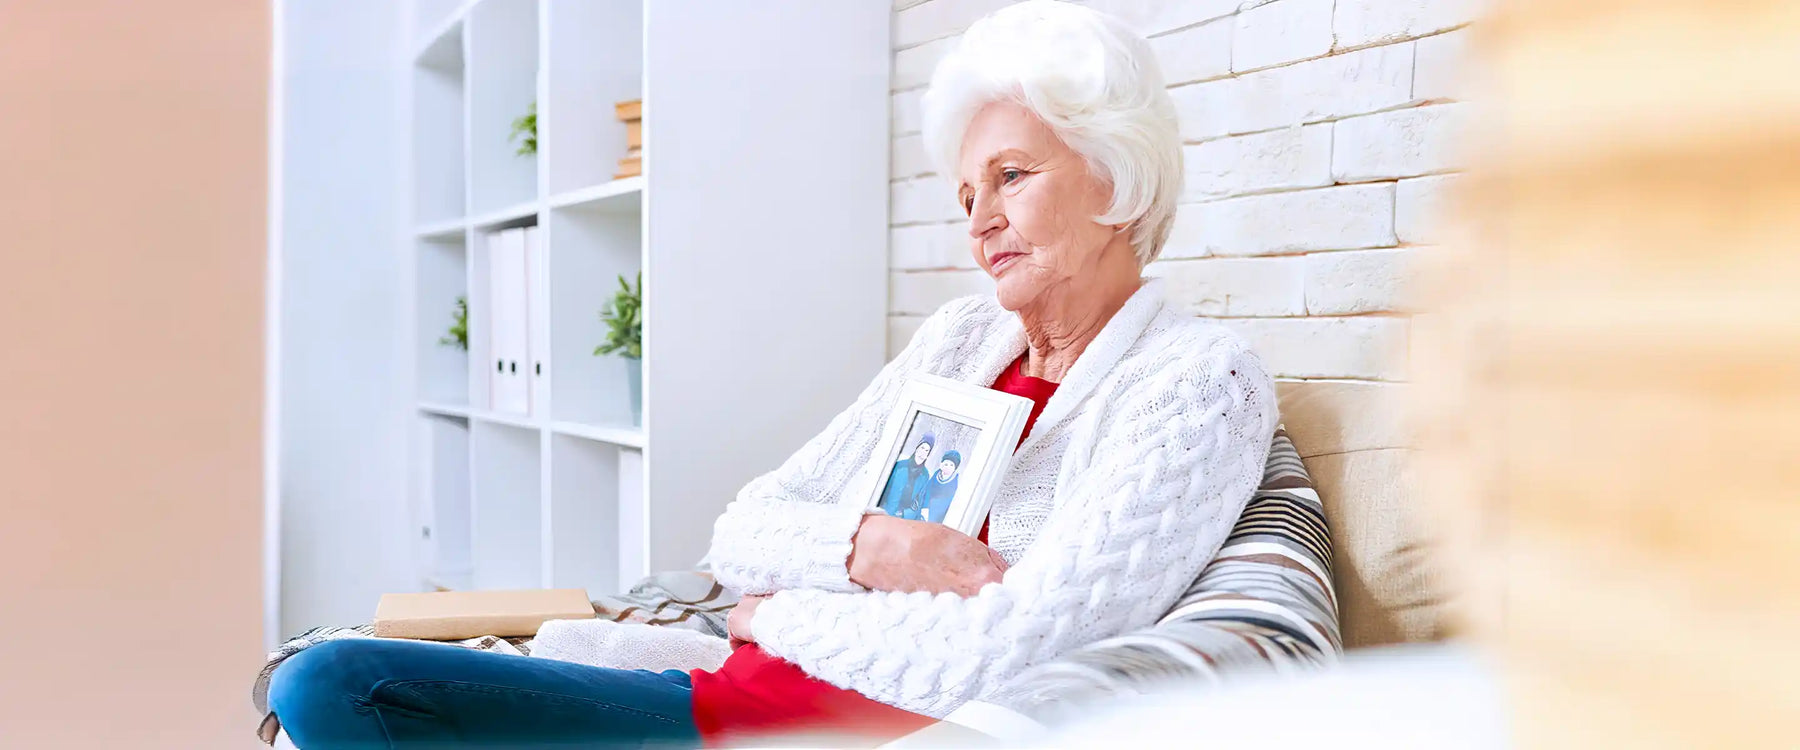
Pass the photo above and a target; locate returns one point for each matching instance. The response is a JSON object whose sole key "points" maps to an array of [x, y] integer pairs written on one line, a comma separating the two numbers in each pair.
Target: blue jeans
{"points": [[374, 693]]}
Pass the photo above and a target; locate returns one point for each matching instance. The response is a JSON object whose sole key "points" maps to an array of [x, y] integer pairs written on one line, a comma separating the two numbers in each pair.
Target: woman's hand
{"points": [[737, 625], [893, 554]]}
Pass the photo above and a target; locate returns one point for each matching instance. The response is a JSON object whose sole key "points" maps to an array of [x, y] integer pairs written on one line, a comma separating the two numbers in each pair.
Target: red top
{"points": [[757, 693]]}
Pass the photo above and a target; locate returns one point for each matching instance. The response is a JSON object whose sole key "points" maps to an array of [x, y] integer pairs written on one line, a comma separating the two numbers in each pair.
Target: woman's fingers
{"points": [[737, 625], [959, 563], [995, 558], [983, 567]]}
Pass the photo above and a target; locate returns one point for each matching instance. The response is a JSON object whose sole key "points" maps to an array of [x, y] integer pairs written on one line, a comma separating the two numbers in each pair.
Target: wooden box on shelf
{"points": [[632, 114]]}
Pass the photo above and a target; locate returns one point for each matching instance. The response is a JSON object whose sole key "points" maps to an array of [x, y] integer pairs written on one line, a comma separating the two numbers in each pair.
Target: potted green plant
{"points": [[625, 337], [524, 130], [458, 335]]}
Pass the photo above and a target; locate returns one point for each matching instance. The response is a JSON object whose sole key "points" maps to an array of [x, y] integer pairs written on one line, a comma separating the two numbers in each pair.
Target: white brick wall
{"points": [[927, 21], [919, 293], [1202, 108], [1400, 143], [921, 200], [1320, 148], [1332, 218], [1359, 281], [1154, 17], [1360, 22], [929, 247], [1324, 89], [1234, 287], [1281, 32], [1196, 54], [1297, 157], [1417, 205], [1437, 66], [1364, 347]]}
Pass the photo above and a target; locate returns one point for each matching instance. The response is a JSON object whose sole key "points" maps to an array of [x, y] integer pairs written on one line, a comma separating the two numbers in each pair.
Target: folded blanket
{"points": [[628, 645]]}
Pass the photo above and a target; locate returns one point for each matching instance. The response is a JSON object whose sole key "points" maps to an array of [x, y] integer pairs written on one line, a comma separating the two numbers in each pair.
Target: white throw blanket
{"points": [[628, 645], [1126, 487]]}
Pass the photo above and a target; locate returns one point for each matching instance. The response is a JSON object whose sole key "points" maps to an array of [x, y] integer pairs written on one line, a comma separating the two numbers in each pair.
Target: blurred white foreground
{"points": [[1437, 696]]}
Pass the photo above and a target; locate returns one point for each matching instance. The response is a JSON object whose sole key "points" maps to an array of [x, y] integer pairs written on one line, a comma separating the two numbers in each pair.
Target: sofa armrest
{"points": [[1265, 603]]}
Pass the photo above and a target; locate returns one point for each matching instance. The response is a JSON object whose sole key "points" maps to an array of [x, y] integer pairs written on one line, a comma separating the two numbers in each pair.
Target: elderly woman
{"points": [[1148, 436]]}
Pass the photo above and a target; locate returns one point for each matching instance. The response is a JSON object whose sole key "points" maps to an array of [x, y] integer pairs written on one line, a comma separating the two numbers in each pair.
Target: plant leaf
{"points": [[625, 330]]}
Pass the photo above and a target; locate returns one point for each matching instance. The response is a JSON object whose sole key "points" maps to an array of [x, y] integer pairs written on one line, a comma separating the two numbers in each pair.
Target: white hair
{"points": [[1096, 84]]}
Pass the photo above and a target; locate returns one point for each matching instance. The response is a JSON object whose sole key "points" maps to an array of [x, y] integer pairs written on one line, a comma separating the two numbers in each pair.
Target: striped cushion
{"points": [[1265, 603]]}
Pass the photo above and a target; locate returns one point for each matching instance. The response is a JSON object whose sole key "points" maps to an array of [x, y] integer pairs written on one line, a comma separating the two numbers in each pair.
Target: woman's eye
{"points": [[1008, 175], [968, 205]]}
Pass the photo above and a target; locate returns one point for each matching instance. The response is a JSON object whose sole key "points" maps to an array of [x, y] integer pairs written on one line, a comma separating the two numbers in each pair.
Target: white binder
{"points": [[537, 296], [634, 520], [510, 347]]}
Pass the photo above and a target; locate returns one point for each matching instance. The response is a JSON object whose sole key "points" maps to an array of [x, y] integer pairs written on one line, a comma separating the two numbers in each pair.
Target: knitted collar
{"points": [[1096, 361]]}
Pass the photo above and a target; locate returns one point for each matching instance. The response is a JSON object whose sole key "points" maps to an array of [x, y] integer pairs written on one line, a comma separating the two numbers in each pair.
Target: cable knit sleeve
{"points": [[787, 528], [1181, 452]]}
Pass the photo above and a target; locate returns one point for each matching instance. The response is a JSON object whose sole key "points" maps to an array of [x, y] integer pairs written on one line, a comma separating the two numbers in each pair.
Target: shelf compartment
{"points": [[519, 421], [437, 142], [584, 514], [590, 248], [516, 215], [594, 60], [631, 437], [442, 276], [443, 484], [503, 73], [506, 501], [443, 409], [440, 31], [447, 229], [617, 196]]}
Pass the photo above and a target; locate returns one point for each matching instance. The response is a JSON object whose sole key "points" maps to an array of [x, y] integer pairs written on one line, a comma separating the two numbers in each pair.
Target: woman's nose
{"points": [[985, 216]]}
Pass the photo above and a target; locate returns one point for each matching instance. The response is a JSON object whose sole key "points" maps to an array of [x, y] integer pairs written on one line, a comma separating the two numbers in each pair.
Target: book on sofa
{"points": [[454, 615]]}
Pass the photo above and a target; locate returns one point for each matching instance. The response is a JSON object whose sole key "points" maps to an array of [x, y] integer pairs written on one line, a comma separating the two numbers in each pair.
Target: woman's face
{"points": [[921, 453], [1031, 202], [946, 470]]}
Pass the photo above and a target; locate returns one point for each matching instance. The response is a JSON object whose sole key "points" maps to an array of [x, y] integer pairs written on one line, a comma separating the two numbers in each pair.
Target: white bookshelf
{"points": [[759, 226]]}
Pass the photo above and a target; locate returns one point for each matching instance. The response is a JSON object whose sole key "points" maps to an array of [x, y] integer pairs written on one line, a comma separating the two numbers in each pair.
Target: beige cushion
{"points": [[1354, 441]]}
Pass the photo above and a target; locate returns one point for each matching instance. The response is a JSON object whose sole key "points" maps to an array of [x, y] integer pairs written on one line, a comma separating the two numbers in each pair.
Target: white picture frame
{"points": [[974, 428]]}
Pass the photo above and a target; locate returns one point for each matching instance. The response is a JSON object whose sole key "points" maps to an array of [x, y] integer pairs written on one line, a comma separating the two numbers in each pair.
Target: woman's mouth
{"points": [[1002, 261]]}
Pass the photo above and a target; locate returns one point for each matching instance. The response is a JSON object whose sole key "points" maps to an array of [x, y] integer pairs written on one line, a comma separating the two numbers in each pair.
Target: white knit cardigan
{"points": [[1125, 488]]}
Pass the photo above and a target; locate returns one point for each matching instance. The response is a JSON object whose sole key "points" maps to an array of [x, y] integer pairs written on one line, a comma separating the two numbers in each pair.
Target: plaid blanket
{"points": [[688, 599], [1266, 602]]}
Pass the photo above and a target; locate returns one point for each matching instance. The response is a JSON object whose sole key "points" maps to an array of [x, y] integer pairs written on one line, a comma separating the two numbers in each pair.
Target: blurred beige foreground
{"points": [[1618, 400], [133, 174]]}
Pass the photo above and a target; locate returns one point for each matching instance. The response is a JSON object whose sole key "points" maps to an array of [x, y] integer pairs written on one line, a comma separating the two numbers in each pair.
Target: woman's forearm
{"points": [[763, 545]]}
